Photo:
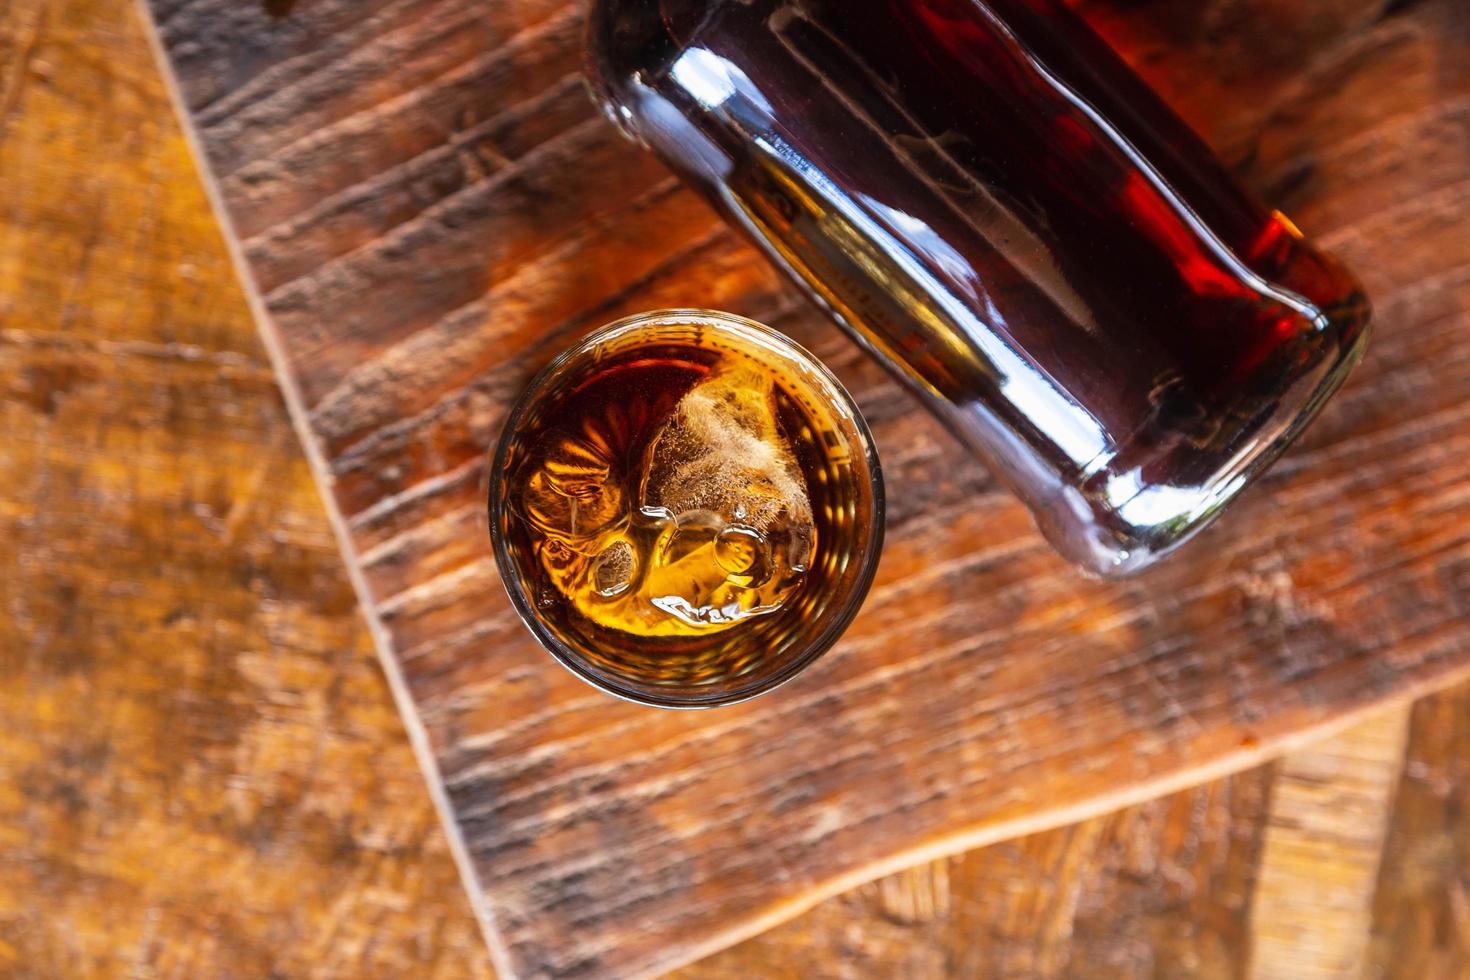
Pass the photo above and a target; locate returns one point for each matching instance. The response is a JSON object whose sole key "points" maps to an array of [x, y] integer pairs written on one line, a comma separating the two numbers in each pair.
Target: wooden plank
{"points": [[422, 239], [1273, 872], [1330, 809], [1162, 889], [1421, 907], [202, 773]]}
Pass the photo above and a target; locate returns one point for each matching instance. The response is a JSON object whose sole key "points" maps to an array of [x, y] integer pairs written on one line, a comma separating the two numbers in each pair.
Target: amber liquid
{"points": [[680, 508], [992, 202]]}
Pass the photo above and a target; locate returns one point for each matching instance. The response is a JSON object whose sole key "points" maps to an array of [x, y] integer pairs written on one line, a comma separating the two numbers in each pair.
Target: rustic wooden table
{"points": [[203, 772]]}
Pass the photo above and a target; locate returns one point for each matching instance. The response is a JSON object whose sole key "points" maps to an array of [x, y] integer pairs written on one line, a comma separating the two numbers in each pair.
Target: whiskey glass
{"points": [[686, 508]]}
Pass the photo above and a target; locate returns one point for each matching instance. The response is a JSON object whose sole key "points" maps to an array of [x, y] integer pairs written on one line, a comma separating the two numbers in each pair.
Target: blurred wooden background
{"points": [[428, 207], [202, 772]]}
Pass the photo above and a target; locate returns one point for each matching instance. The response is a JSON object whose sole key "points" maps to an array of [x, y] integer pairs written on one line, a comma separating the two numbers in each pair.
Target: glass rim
{"points": [[566, 654]]}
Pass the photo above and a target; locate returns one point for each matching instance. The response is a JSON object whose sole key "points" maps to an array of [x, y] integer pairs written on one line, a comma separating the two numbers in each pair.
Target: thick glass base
{"points": [[1120, 521]]}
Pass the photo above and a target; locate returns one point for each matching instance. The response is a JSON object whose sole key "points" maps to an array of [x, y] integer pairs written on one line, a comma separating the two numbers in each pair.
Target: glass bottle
{"points": [[993, 204]]}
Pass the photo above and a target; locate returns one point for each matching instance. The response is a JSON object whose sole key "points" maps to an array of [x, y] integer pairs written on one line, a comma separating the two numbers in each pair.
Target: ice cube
{"points": [[574, 496], [614, 568], [721, 472], [721, 450]]}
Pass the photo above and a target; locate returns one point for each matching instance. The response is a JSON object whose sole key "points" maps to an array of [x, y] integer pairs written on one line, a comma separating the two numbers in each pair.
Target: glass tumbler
{"points": [[686, 508]]}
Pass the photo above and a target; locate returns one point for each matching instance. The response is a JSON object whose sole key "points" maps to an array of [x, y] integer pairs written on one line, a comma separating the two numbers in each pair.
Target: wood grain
{"points": [[1282, 871], [1330, 808], [424, 238], [1162, 889], [202, 773], [1421, 907]]}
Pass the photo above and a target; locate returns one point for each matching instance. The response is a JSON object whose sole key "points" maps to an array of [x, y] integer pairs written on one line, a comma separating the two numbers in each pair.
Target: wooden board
{"points": [[1162, 889], [1330, 807], [1421, 908], [202, 773], [1344, 859], [428, 209]]}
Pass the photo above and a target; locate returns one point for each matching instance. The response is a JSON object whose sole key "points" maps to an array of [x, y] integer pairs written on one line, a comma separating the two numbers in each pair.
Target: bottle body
{"points": [[992, 203]]}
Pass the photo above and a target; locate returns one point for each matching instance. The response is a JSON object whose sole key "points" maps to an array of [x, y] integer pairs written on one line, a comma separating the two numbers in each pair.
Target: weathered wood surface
{"points": [[1421, 908], [429, 210], [1330, 809], [202, 773], [1162, 889], [1283, 871]]}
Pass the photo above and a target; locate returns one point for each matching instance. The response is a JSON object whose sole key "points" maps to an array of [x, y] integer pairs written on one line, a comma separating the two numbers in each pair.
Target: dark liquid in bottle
{"points": [[992, 201]]}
